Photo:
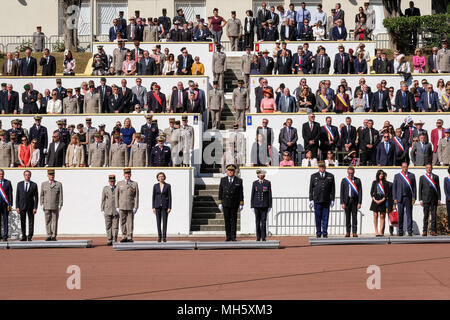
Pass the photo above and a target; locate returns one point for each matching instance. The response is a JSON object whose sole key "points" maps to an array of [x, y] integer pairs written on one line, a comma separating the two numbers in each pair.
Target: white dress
{"points": [[35, 155], [54, 106]]}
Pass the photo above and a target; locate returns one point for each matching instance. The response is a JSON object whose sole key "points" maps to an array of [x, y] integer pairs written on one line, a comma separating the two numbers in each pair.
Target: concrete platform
{"points": [[153, 245], [420, 239], [3, 245], [42, 244], [206, 245], [352, 241]]}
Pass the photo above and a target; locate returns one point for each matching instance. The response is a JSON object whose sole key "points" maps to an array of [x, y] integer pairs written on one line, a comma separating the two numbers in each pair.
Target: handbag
{"points": [[393, 217]]}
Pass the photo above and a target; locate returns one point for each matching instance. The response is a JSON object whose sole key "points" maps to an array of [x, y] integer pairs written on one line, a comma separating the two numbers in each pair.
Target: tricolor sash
{"points": [[381, 188], [405, 178], [3, 195], [399, 143], [430, 181], [324, 100], [342, 100], [352, 185], [329, 132]]}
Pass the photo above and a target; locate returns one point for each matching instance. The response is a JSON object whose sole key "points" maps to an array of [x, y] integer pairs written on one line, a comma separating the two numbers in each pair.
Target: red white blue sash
{"points": [[399, 143], [329, 132], [405, 178], [352, 185], [381, 188], [430, 181], [3, 195]]}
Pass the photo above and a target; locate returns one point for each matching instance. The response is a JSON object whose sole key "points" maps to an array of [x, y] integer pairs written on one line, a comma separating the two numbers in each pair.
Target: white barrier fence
{"points": [[277, 120], [331, 47], [294, 182], [292, 82], [204, 50], [42, 83], [82, 190]]}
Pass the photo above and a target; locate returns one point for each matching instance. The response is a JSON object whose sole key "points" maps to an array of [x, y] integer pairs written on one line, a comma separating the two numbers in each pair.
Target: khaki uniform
{"points": [[38, 41], [219, 66], [92, 103], [177, 147], [443, 60], [118, 57], [52, 202], [98, 155], [7, 154], [70, 106], [138, 155], [118, 157], [234, 30], [127, 198], [150, 34], [215, 103], [168, 132], [235, 149], [187, 134], [246, 62], [241, 100], [108, 207], [443, 151]]}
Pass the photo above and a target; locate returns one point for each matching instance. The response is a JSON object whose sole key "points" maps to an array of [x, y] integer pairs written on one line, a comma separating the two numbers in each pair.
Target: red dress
{"points": [[24, 154]]}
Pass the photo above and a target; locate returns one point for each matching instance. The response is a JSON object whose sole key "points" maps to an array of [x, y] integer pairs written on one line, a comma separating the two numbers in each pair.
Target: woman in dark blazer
{"points": [[162, 204], [360, 64], [381, 201], [249, 29]]}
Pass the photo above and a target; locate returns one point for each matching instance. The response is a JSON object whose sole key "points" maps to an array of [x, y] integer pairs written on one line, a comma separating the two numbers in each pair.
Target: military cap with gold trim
{"points": [[127, 170], [148, 116], [51, 172], [171, 120], [112, 177], [184, 118], [321, 164], [37, 117], [137, 135], [231, 167]]}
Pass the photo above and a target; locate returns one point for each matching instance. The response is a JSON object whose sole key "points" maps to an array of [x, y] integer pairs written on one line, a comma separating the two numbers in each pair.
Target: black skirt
{"points": [[378, 207]]}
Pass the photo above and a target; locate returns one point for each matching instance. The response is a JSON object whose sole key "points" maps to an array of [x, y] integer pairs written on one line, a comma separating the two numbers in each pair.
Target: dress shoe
{"points": [[410, 234], [227, 240], [424, 234], [130, 240], [48, 239], [325, 236], [318, 236], [355, 235], [164, 240], [434, 234], [258, 239], [109, 243], [23, 239], [233, 240], [159, 239], [264, 240], [124, 240], [30, 239], [53, 238], [347, 234]]}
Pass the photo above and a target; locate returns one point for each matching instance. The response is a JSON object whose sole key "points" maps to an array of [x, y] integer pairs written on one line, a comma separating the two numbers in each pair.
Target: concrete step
{"points": [[211, 222], [211, 228], [212, 197], [205, 215], [206, 187], [207, 192], [196, 209]]}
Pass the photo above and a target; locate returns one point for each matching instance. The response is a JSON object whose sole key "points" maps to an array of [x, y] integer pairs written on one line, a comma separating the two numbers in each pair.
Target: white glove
{"points": [[441, 163], [45, 150], [241, 207], [134, 210], [11, 165], [117, 210], [191, 150], [311, 204], [220, 207], [332, 204], [268, 210]]}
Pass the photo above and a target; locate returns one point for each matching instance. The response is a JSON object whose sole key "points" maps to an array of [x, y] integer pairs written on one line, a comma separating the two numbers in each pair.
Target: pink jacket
{"points": [[419, 62]]}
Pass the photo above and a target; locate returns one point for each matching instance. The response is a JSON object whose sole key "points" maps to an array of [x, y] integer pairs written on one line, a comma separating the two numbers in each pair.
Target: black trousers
{"points": [[351, 215], [430, 207], [260, 221], [260, 34], [4, 214], [161, 213], [42, 158], [23, 222], [248, 40], [230, 217], [369, 157]]}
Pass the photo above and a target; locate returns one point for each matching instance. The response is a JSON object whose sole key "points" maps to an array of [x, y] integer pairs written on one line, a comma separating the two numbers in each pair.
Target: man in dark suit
{"points": [[404, 100], [6, 202], [117, 27], [305, 31], [380, 100], [105, 92], [432, 60], [429, 100], [400, 146], [404, 195], [147, 65], [39, 132], [284, 62], [231, 199], [127, 96], [160, 156], [48, 63], [28, 65], [348, 136], [288, 139], [381, 63], [26, 204], [271, 32], [288, 31], [185, 62], [80, 99], [164, 20], [29, 98], [265, 63], [115, 101], [300, 62], [266, 132], [321, 198], [261, 203], [175, 33], [447, 196], [61, 92], [385, 152], [310, 134], [156, 100], [122, 24], [328, 137], [341, 62], [274, 17], [136, 53], [10, 101], [150, 132], [186, 34], [133, 31], [413, 12], [322, 62], [261, 18], [178, 103], [56, 155], [368, 146], [351, 199], [430, 198], [339, 32]]}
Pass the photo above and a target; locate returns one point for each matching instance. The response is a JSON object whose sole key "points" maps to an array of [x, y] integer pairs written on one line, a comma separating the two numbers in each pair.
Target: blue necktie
{"points": [[386, 146], [423, 147]]}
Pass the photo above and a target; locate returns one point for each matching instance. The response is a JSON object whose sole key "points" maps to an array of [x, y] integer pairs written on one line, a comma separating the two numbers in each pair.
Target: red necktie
{"points": [[310, 126], [9, 96]]}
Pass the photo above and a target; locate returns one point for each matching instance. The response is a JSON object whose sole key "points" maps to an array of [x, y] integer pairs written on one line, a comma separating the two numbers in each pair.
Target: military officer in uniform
{"points": [[215, 105], [404, 195], [429, 198], [127, 204], [351, 199], [160, 155], [7, 154], [321, 197], [70, 103], [177, 145], [52, 201], [187, 133], [150, 131], [261, 203], [246, 62], [231, 199], [118, 156], [138, 152], [108, 208], [98, 152], [92, 101], [234, 31], [219, 66], [241, 103], [234, 149], [63, 133], [168, 131]]}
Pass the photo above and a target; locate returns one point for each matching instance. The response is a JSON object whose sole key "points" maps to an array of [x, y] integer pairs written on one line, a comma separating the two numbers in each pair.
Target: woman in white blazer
{"points": [[309, 161], [54, 105]]}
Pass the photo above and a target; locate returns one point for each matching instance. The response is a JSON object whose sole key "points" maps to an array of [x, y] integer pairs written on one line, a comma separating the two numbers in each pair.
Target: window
{"points": [[106, 12], [191, 9], [257, 6]]}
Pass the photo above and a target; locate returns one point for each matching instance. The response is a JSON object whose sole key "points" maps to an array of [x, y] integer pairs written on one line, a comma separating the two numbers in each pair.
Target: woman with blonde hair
{"points": [[35, 153], [75, 153], [127, 132], [419, 61]]}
